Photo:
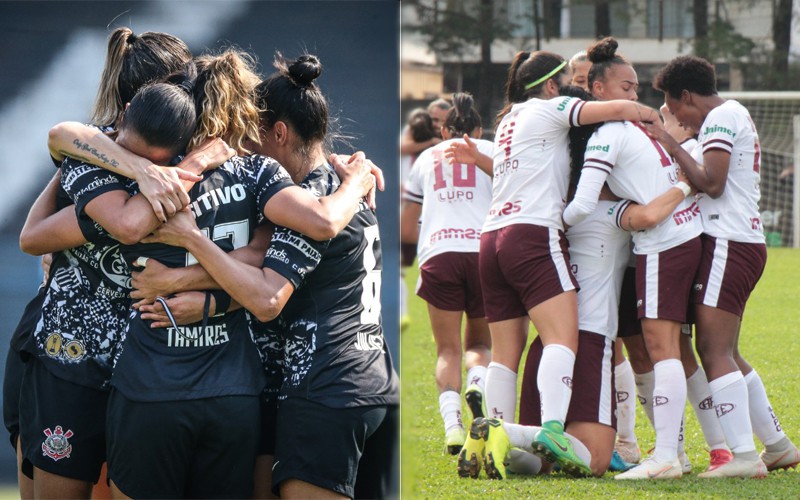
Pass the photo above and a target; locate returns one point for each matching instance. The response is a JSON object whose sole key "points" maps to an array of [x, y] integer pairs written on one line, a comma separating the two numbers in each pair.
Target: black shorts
{"points": [[11, 386], [62, 425], [321, 445], [201, 448], [269, 417], [378, 469]]}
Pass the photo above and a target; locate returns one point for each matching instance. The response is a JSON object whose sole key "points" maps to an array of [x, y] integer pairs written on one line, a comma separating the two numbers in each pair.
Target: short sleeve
{"points": [[83, 183], [413, 189], [617, 210], [293, 255], [719, 130], [566, 110]]}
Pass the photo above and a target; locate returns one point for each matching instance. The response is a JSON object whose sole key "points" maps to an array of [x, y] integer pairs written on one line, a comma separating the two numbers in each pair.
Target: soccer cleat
{"points": [[551, 444], [470, 459], [475, 401], [651, 469], [405, 322], [617, 464], [497, 447], [455, 439], [629, 452], [781, 459], [738, 467], [718, 457], [686, 465]]}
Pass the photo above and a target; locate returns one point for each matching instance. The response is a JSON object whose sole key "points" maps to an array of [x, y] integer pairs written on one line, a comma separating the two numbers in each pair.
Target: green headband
{"points": [[546, 77]]}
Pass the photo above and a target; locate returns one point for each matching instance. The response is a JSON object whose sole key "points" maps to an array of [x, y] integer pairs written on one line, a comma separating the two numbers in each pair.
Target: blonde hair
{"points": [[225, 97], [132, 62]]}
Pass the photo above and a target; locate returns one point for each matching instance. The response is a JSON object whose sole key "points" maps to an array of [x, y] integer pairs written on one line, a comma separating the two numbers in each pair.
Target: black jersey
{"points": [[84, 310], [216, 357], [334, 351]]}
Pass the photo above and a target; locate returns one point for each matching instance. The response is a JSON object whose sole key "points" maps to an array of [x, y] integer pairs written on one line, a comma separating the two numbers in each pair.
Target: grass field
{"points": [[769, 342]]}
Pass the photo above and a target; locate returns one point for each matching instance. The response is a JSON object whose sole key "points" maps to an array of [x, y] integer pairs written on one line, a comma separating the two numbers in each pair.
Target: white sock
{"points": [[729, 393], [501, 392], [644, 391], [669, 402], [450, 408], [626, 402], [523, 462], [765, 422], [555, 381], [521, 436], [699, 395], [477, 375]]}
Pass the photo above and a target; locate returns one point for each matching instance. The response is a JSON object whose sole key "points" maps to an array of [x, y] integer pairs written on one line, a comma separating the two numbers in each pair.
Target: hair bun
{"points": [[604, 50], [305, 70]]}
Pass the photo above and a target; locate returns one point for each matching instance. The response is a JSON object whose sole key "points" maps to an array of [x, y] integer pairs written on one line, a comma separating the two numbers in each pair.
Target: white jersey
{"points": [[734, 215], [455, 199], [598, 254], [639, 170], [531, 163]]}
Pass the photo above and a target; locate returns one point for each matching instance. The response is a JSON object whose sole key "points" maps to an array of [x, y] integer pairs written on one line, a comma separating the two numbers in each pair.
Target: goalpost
{"points": [[777, 118]]}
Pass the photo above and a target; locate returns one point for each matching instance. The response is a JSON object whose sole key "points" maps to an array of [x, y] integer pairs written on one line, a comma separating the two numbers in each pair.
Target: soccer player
{"points": [[636, 168], [452, 201], [524, 264], [339, 392], [579, 65], [725, 167]]}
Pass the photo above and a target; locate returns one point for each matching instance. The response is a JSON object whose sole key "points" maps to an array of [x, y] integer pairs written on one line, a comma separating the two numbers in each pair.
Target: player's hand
{"points": [[186, 308], [212, 153], [175, 231], [462, 152], [682, 178], [163, 188], [154, 280], [357, 170]]}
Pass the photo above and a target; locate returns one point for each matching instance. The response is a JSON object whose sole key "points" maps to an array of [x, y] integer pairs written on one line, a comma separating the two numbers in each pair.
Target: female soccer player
{"points": [[452, 201], [728, 175], [339, 391], [637, 169], [524, 264]]}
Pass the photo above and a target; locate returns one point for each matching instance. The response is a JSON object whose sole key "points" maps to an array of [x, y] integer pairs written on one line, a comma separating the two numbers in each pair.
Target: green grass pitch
{"points": [[769, 341]]}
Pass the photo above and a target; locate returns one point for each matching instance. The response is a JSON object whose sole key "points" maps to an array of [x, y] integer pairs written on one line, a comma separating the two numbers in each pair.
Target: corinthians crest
{"points": [[56, 445]]}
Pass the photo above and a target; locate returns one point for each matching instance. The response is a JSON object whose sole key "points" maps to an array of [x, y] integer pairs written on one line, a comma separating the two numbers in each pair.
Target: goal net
{"points": [[777, 118]]}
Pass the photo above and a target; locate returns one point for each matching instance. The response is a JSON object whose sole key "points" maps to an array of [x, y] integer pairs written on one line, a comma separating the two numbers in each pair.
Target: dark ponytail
{"points": [[528, 68], [462, 117], [163, 115]]}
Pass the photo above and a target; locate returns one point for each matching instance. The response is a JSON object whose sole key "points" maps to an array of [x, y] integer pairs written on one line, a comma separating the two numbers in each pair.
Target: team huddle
{"points": [[253, 340], [602, 225]]}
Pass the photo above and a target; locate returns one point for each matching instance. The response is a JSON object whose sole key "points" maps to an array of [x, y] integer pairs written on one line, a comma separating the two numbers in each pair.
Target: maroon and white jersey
{"points": [[598, 254], [639, 170], [455, 199], [531, 163], [734, 215]]}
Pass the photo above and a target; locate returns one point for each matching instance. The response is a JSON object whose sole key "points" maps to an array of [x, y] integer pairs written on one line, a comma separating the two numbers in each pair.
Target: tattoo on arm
{"points": [[93, 152]]}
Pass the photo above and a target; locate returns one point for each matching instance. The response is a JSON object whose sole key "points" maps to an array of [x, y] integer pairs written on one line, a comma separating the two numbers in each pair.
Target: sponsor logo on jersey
{"points": [[504, 141], [660, 400], [599, 147], [197, 336], [563, 105], [52, 346], [299, 243], [96, 184], [686, 215], [56, 444], [210, 200], [724, 408], [369, 341], [74, 350], [713, 217], [114, 268], [452, 233], [716, 128], [508, 208], [280, 255], [456, 195]]}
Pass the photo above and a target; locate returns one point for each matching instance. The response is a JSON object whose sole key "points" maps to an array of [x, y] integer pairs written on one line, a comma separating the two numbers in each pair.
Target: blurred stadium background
{"points": [[52, 55]]}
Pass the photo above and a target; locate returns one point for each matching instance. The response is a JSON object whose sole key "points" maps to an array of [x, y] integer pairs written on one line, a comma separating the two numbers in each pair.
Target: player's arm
{"points": [[47, 230], [186, 308], [156, 279], [408, 146], [635, 217], [261, 291], [467, 152], [616, 110], [709, 177], [323, 218], [409, 222]]}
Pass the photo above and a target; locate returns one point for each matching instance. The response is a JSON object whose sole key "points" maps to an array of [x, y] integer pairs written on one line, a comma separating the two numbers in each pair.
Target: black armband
{"points": [[222, 300]]}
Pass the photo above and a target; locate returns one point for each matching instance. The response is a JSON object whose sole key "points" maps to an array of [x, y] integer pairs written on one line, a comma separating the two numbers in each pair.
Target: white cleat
{"points": [[781, 459], [686, 465], [651, 469], [738, 467]]}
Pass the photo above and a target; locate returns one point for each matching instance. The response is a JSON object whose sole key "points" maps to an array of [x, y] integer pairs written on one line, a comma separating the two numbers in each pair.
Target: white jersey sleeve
{"points": [[734, 215]]}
